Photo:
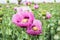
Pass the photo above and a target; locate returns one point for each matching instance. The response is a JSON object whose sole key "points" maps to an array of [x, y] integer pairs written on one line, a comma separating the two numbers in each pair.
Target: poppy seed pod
{"points": [[43, 12]]}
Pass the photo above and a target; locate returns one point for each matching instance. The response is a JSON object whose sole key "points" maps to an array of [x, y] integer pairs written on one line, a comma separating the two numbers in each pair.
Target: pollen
{"points": [[24, 20], [35, 28], [28, 3]]}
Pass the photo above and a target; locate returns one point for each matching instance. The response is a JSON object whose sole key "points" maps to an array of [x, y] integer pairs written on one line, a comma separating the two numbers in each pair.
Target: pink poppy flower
{"points": [[24, 19], [36, 6], [29, 16], [23, 8], [48, 15], [28, 3], [35, 28]]}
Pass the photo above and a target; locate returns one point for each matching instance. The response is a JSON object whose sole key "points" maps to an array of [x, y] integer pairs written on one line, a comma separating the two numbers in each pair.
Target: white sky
{"points": [[36, 1], [13, 1], [57, 0], [3, 1]]}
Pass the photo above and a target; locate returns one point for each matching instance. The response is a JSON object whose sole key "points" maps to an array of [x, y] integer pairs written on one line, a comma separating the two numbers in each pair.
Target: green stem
{"points": [[44, 28], [33, 37], [38, 37], [29, 38]]}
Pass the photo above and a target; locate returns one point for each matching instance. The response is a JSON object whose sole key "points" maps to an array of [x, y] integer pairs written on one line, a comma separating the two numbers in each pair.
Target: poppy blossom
{"points": [[23, 8], [23, 19], [48, 15], [28, 18], [35, 28], [36, 6], [28, 3]]}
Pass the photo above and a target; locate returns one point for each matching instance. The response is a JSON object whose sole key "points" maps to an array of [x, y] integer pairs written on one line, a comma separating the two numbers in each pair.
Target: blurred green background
{"points": [[51, 27]]}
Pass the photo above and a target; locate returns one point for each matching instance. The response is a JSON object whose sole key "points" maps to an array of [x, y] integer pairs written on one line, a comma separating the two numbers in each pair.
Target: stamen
{"points": [[28, 3], [35, 28], [24, 20]]}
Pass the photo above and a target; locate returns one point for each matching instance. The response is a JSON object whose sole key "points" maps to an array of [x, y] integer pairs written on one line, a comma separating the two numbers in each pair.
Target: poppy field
{"points": [[50, 26]]}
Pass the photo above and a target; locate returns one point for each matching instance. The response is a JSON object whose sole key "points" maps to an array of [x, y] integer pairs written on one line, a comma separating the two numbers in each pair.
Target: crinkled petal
{"points": [[30, 20], [38, 24], [16, 19]]}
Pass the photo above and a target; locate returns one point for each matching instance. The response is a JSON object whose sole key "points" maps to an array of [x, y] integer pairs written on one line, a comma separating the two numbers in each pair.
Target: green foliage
{"points": [[9, 31]]}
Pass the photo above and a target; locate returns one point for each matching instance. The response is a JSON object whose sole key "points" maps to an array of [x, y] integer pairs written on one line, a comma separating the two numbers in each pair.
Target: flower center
{"points": [[28, 3], [43, 12], [35, 28], [24, 20]]}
